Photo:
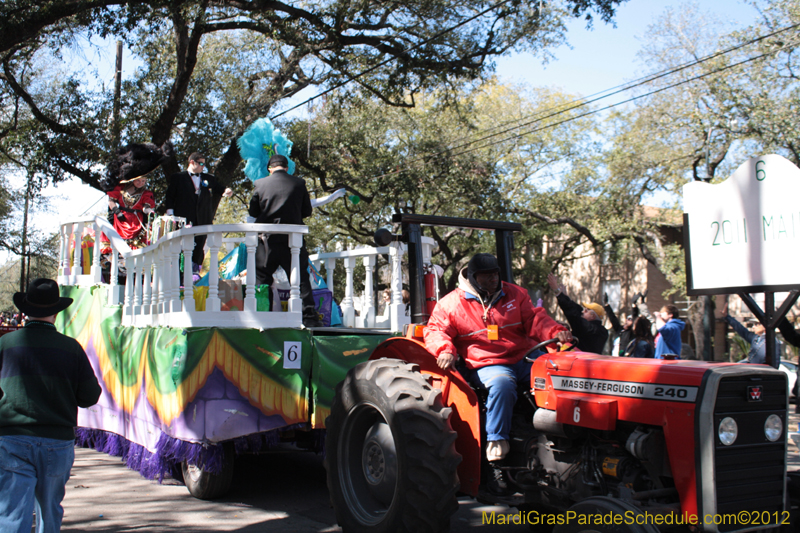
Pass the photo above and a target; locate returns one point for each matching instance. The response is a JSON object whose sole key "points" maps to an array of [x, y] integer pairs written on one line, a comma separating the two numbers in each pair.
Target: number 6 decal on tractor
{"points": [[576, 415], [292, 354]]}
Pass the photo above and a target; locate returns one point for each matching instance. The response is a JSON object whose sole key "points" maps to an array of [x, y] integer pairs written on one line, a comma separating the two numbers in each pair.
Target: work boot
{"points": [[497, 484], [496, 450]]}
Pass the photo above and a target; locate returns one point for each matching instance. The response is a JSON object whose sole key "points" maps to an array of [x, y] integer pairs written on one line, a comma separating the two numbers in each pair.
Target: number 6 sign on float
{"points": [[292, 354]]}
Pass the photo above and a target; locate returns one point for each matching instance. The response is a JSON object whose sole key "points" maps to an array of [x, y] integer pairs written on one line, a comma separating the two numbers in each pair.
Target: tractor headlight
{"points": [[773, 428], [728, 431]]}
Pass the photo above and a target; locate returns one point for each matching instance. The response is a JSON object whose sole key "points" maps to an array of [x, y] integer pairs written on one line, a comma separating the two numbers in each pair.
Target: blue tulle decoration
{"points": [[260, 142]]}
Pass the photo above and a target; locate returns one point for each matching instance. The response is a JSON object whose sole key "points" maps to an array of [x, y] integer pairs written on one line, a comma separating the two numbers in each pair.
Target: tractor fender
{"points": [[456, 394]]}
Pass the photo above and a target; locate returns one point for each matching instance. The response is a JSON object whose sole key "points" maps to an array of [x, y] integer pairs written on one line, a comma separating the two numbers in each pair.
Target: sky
{"points": [[598, 59], [605, 56]]}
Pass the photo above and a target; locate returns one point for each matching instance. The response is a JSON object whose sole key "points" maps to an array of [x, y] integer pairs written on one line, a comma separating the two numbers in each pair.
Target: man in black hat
{"points": [[189, 195], [44, 377], [281, 198]]}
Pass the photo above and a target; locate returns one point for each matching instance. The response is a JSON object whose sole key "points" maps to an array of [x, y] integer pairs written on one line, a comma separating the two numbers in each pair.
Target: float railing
{"points": [[368, 318], [155, 295]]}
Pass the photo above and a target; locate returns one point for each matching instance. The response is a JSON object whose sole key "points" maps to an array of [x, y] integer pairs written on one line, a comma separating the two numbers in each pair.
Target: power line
{"points": [[610, 106], [643, 80], [575, 104], [94, 204]]}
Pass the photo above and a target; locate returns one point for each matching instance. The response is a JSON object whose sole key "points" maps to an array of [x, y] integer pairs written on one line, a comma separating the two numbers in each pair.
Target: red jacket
{"points": [[130, 224], [457, 326]]}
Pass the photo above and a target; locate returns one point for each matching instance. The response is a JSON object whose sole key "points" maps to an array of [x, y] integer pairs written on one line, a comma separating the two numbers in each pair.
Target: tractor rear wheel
{"points": [[390, 451]]}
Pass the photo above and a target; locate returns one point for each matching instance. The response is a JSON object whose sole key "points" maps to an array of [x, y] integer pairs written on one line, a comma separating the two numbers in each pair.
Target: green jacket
{"points": [[44, 377]]}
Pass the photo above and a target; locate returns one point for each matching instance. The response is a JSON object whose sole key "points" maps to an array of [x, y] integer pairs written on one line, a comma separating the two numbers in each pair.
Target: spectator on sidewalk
{"points": [[44, 377], [624, 330], [755, 337], [669, 327], [586, 321], [642, 345]]}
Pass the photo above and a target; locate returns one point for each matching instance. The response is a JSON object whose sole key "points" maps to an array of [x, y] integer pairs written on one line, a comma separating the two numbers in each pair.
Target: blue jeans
{"points": [[33, 473], [501, 383]]}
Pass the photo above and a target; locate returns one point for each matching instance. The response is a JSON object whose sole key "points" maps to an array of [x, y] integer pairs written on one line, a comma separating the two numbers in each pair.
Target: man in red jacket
{"points": [[491, 325]]}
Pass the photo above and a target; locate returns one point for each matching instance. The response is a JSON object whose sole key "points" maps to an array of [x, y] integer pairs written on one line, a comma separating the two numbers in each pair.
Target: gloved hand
{"points": [[148, 210], [644, 295], [117, 212], [605, 298]]}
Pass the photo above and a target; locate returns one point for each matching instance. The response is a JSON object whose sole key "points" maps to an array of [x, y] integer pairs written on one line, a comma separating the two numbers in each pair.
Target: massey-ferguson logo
{"points": [[754, 393]]}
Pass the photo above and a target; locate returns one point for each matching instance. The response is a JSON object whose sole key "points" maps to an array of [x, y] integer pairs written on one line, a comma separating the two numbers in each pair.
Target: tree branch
{"points": [[24, 23], [53, 124], [186, 45], [580, 228]]}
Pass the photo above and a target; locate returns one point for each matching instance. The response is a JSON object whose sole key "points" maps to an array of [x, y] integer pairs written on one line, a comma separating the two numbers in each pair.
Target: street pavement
{"points": [[278, 492], [273, 492]]}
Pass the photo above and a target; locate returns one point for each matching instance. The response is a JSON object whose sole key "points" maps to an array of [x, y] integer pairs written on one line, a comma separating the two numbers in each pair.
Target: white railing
{"points": [[154, 296], [74, 230], [367, 317]]}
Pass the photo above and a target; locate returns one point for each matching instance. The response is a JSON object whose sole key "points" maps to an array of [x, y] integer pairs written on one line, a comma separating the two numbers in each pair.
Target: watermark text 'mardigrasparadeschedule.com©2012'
{"points": [[742, 518]]}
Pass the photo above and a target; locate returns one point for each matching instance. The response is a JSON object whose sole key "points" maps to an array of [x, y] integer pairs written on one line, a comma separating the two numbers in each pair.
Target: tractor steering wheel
{"points": [[542, 344]]}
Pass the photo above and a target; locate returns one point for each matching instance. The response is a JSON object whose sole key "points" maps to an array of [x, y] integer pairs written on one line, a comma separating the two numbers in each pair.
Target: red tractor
{"points": [[597, 443]]}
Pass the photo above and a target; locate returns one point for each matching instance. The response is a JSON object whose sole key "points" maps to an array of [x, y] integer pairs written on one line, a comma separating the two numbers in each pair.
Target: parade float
{"points": [[192, 374], [195, 371]]}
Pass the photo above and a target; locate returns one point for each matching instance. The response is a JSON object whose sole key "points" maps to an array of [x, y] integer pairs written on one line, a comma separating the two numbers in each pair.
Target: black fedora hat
{"points": [[42, 299]]}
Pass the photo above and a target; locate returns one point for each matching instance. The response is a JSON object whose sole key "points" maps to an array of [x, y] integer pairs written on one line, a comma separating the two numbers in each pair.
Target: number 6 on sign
{"points": [[292, 354]]}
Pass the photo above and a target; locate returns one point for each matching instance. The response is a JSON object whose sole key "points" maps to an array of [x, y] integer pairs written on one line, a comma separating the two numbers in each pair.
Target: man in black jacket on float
{"points": [[281, 198], [586, 321], [189, 195]]}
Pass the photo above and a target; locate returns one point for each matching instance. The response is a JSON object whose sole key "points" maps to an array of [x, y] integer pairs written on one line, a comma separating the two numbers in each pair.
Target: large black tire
{"points": [[390, 451], [204, 485], [603, 506]]}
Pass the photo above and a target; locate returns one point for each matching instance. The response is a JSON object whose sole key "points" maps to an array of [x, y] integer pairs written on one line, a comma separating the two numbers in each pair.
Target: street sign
{"points": [[744, 234]]}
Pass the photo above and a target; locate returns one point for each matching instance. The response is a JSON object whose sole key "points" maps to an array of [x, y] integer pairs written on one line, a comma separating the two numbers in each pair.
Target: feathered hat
{"points": [[260, 142], [134, 161]]}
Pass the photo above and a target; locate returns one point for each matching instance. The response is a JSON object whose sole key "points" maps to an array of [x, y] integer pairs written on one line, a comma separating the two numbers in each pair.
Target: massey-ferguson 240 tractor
{"points": [[598, 443]]}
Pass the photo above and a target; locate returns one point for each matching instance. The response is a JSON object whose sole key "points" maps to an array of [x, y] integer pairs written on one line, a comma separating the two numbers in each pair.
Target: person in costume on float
{"points": [[278, 198], [281, 198], [190, 195], [130, 202]]}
